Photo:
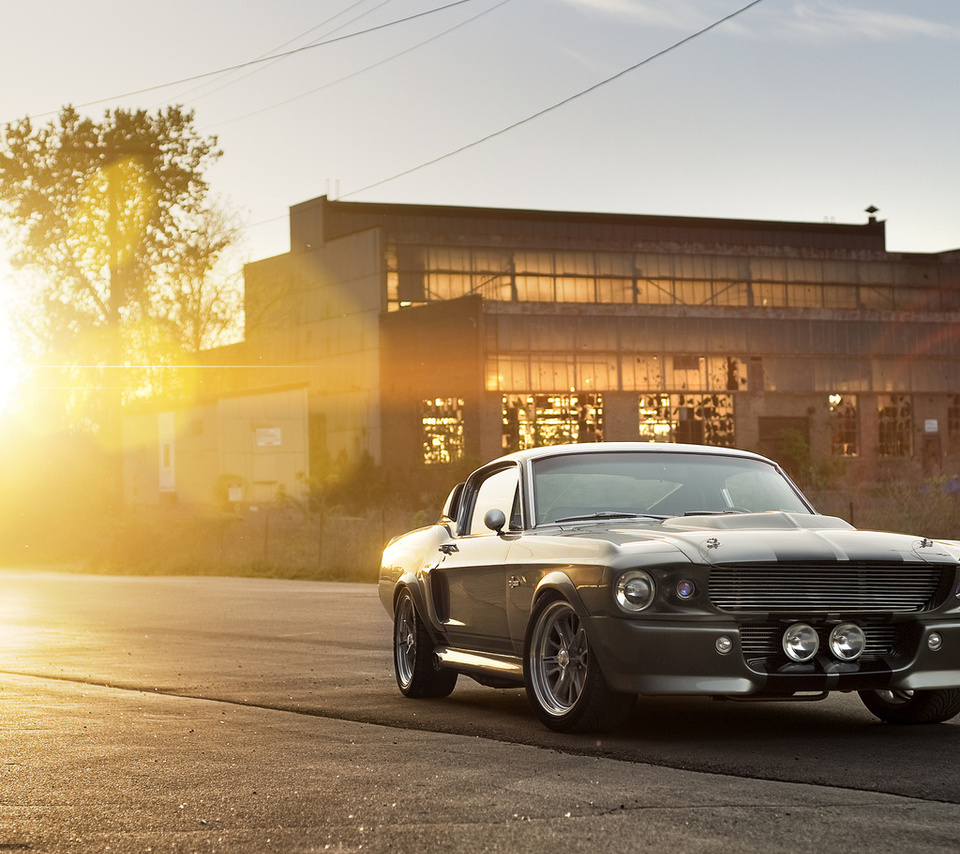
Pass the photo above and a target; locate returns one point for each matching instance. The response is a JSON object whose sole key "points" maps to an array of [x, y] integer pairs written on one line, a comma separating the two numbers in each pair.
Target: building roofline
{"points": [[387, 209]]}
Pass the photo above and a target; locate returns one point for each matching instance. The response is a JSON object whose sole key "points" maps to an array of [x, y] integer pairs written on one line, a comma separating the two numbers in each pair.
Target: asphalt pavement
{"points": [[197, 714]]}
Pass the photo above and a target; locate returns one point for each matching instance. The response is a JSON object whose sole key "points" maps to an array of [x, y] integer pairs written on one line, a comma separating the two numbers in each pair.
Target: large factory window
{"points": [[535, 372], [732, 293], [442, 430], [882, 299], [417, 274], [656, 423], [840, 296], [698, 419], [642, 373], [844, 425], [533, 420], [895, 425]]}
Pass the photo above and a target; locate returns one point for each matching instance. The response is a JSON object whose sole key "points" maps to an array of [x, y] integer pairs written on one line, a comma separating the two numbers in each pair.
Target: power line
{"points": [[270, 53], [327, 85], [555, 106], [360, 71], [252, 62], [272, 57]]}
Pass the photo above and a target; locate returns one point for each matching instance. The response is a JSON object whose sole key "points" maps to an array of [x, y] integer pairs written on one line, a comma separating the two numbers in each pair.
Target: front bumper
{"points": [[682, 658]]}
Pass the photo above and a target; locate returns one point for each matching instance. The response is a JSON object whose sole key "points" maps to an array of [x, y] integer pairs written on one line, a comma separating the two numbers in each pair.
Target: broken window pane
{"points": [[895, 425], [727, 373], [442, 428], [844, 425], [698, 419], [533, 420], [656, 425], [686, 373]]}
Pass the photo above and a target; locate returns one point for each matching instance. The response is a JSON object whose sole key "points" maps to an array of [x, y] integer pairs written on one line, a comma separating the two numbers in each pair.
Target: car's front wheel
{"points": [[913, 707], [414, 663], [563, 680]]}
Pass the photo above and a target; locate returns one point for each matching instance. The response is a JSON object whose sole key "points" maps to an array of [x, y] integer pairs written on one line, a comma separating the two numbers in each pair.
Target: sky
{"points": [[806, 110], [798, 110]]}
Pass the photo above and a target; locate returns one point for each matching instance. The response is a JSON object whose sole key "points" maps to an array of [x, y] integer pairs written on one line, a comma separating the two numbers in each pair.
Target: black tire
{"points": [[913, 707], [563, 680], [414, 663]]}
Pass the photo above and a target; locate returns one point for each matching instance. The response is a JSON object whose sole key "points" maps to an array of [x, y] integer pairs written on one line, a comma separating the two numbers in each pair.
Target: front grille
{"points": [[823, 588], [765, 641]]}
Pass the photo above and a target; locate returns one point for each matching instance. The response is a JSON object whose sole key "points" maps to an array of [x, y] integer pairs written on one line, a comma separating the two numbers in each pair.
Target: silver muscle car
{"points": [[590, 574]]}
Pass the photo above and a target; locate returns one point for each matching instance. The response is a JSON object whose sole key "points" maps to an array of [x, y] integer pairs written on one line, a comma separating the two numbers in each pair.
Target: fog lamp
{"points": [[686, 589], [724, 644], [635, 590], [847, 641], [935, 640], [801, 642]]}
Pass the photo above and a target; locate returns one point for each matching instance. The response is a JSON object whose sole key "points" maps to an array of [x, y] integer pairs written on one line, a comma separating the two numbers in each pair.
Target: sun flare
{"points": [[10, 369], [9, 380]]}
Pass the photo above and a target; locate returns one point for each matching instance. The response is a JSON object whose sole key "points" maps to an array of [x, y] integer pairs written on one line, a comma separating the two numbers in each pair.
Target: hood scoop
{"points": [[773, 520]]}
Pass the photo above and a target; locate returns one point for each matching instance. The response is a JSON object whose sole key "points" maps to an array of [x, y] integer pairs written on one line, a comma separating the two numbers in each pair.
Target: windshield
{"points": [[578, 486]]}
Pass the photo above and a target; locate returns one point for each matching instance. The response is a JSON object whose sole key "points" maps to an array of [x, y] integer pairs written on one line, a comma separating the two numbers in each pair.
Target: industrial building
{"points": [[426, 337]]}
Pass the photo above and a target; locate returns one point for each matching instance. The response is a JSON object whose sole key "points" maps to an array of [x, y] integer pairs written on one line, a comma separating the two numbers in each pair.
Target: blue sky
{"points": [[793, 110]]}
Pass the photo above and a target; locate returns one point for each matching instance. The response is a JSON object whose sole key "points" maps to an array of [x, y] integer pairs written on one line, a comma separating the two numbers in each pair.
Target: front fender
{"points": [[559, 582], [416, 585]]}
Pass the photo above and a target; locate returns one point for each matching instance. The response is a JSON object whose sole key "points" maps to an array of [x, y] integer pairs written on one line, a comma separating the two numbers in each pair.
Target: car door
{"points": [[473, 568]]}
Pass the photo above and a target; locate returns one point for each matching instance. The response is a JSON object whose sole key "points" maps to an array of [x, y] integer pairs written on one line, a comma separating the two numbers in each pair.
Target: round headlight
{"points": [[801, 642], [635, 590], [847, 641]]}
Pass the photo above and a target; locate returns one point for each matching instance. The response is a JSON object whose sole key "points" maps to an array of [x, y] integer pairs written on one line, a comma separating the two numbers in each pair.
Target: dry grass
{"points": [[899, 507], [287, 541], [275, 542]]}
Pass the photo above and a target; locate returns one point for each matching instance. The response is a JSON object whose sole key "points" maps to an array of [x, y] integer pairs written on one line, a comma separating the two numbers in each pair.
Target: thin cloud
{"points": [[675, 15], [812, 21], [851, 23]]}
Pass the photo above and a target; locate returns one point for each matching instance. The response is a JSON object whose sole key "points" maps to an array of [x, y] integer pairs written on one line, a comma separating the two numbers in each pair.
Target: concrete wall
{"points": [[314, 318], [256, 444]]}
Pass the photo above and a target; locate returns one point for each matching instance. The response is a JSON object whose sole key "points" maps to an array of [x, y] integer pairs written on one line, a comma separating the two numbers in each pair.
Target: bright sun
{"points": [[9, 369], [9, 377]]}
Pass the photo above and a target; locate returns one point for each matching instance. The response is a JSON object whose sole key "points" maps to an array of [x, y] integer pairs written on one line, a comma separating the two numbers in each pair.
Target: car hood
{"points": [[769, 538]]}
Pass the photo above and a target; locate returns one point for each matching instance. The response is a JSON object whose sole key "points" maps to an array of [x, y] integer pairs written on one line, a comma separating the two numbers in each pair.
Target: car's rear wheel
{"points": [[563, 680], [913, 707], [414, 663]]}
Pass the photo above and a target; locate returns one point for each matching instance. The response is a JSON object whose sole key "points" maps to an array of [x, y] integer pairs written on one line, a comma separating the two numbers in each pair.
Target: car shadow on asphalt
{"points": [[836, 742]]}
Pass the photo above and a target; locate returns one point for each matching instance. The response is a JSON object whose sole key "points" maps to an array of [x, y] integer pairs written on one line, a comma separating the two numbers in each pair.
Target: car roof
{"points": [[630, 447]]}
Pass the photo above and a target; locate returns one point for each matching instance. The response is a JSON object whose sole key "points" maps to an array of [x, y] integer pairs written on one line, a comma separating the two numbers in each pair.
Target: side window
{"points": [[451, 507], [497, 491]]}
